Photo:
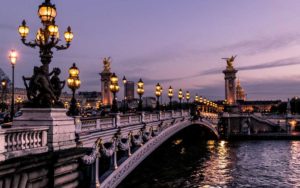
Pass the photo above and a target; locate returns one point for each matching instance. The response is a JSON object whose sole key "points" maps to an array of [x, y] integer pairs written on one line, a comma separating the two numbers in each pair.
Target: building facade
{"points": [[129, 90]]}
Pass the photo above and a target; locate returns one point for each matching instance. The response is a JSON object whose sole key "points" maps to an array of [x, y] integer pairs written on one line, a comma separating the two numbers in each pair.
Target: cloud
{"points": [[271, 64], [252, 47], [4, 26]]}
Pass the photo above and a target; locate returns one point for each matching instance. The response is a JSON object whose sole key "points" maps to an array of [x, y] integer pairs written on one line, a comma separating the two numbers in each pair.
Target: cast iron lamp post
{"points": [[13, 59], [196, 98], [201, 103], [187, 96], [47, 38], [73, 83], [170, 95], [158, 91], [140, 92], [180, 96], [19, 102], [114, 88], [3, 87], [125, 98]]}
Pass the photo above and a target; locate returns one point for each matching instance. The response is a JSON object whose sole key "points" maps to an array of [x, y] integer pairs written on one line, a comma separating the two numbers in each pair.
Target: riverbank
{"points": [[266, 136]]}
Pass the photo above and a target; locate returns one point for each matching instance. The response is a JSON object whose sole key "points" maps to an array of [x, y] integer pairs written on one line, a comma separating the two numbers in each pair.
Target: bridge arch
{"points": [[128, 165]]}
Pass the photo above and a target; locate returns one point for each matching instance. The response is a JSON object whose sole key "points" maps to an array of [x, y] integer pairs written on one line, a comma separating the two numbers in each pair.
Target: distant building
{"points": [[240, 92], [90, 99], [258, 106], [149, 102], [129, 90]]}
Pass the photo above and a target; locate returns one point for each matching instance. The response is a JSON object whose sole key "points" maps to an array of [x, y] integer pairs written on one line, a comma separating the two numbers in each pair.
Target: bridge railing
{"points": [[16, 142], [120, 120]]}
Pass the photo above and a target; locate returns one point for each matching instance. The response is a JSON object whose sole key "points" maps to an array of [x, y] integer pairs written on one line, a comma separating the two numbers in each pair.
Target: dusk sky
{"points": [[178, 43]]}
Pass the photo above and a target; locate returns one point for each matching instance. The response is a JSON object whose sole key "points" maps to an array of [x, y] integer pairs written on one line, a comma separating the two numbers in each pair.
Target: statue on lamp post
{"points": [[43, 91]]}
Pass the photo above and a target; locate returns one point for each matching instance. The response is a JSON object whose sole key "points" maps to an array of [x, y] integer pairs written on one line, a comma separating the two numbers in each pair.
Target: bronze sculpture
{"points": [[42, 91], [230, 61]]}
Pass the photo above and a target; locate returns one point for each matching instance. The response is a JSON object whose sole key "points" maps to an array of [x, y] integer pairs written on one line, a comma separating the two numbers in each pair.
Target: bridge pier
{"points": [[236, 125]]}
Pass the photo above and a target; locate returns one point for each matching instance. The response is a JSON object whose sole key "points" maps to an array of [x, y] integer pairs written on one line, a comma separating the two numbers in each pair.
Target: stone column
{"points": [[230, 85]]}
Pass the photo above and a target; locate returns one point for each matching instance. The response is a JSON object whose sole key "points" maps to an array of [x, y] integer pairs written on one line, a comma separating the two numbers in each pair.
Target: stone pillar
{"points": [[107, 97], [61, 133], [230, 85]]}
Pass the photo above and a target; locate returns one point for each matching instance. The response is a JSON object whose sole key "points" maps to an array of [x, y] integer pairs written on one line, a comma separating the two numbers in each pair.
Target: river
{"points": [[189, 162]]}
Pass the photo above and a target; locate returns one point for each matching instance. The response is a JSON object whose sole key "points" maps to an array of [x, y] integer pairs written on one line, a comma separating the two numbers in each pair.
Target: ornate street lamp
{"points": [[180, 96], [161, 91], [19, 102], [140, 91], [196, 98], [170, 95], [47, 38], [201, 103], [3, 87], [114, 88], [13, 59], [124, 80], [158, 91], [73, 83], [187, 96]]}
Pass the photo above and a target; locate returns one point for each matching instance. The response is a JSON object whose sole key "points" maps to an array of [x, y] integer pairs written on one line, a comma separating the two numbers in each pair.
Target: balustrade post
{"points": [[117, 120], [2, 146], [44, 138], [172, 113], [78, 124], [142, 116], [181, 112], [98, 124], [129, 119], [160, 115]]}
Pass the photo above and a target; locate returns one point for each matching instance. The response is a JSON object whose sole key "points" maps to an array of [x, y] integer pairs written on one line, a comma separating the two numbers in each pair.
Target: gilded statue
{"points": [[230, 61], [106, 62]]}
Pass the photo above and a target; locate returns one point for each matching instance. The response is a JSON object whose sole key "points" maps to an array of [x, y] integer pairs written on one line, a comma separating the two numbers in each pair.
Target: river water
{"points": [[186, 162]]}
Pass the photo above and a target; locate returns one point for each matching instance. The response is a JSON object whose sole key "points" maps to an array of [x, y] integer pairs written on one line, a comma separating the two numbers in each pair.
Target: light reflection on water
{"points": [[250, 164], [226, 164], [215, 170]]}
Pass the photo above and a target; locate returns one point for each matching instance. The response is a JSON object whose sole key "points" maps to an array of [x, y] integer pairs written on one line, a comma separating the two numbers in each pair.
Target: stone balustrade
{"points": [[16, 142], [26, 140], [119, 120]]}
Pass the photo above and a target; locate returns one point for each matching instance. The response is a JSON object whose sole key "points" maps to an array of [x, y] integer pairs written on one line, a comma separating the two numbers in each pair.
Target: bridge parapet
{"points": [[17, 142], [89, 129]]}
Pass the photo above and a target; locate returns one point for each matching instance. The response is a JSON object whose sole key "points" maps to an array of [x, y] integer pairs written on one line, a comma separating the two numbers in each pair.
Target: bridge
{"points": [[124, 140]]}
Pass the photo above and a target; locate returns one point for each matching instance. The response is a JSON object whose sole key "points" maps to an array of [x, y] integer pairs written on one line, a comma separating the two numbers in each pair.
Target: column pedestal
{"points": [[61, 134]]}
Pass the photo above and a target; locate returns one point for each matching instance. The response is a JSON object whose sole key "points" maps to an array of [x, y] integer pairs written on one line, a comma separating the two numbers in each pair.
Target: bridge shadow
{"points": [[175, 159]]}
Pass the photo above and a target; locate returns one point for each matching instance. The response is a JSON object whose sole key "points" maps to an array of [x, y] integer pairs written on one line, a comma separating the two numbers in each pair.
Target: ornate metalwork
{"points": [[44, 87]]}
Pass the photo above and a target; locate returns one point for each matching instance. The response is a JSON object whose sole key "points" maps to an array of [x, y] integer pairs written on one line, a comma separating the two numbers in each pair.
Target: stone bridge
{"points": [[246, 124], [137, 136], [107, 149]]}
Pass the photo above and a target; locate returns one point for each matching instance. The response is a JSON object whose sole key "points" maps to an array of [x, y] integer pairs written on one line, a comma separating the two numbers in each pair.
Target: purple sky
{"points": [[178, 43]]}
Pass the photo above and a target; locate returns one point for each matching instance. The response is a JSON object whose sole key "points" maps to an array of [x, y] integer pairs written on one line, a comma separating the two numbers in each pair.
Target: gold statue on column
{"points": [[106, 62], [230, 61]]}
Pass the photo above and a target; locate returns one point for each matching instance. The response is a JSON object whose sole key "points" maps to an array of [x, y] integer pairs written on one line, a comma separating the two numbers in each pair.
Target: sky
{"points": [[178, 43]]}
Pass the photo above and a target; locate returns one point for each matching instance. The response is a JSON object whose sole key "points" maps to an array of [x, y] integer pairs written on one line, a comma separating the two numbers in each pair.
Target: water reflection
{"points": [[215, 170], [294, 164], [221, 164]]}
